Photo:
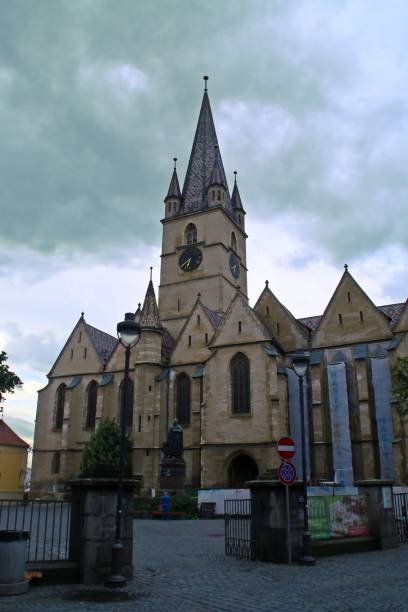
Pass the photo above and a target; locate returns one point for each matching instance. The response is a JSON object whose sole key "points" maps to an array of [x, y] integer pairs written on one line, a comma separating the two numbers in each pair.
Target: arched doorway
{"points": [[241, 469]]}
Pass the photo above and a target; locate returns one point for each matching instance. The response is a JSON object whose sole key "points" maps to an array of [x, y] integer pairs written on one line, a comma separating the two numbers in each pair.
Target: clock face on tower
{"points": [[234, 265], [190, 258]]}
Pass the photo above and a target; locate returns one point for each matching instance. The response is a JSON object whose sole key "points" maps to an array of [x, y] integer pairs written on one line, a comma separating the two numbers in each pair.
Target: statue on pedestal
{"points": [[173, 447]]}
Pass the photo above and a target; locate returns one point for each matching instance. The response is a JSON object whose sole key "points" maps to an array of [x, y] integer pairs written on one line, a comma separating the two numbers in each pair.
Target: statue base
{"points": [[172, 474]]}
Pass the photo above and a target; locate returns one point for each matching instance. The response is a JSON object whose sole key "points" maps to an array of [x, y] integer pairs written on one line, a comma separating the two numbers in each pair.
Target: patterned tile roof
{"points": [[214, 317], [168, 344], [9, 438], [149, 316], [201, 163], [104, 343], [174, 187], [393, 311], [236, 198]]}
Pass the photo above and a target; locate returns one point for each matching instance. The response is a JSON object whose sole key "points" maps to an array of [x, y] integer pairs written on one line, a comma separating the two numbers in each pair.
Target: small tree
{"points": [[100, 458], [400, 383], [8, 379]]}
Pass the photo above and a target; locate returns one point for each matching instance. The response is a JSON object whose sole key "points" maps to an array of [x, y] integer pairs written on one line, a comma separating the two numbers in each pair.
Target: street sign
{"points": [[286, 447], [287, 473]]}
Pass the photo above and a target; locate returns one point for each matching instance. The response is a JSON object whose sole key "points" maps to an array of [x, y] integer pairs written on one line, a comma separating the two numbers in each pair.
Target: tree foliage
{"points": [[8, 379], [400, 383], [100, 458]]}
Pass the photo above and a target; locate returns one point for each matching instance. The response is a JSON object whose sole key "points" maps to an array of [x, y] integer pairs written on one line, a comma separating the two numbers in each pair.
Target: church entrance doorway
{"points": [[241, 469]]}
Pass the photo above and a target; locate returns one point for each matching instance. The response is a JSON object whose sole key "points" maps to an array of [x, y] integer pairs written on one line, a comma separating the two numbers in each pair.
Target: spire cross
{"points": [[266, 283], [151, 273], [205, 82], [175, 162], [346, 267]]}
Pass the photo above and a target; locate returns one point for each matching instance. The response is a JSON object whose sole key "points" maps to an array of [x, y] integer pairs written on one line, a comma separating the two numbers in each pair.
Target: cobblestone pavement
{"points": [[180, 566]]}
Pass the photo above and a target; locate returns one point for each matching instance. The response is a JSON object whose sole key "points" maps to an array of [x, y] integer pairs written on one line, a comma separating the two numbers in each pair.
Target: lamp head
{"points": [[128, 330], [300, 363]]}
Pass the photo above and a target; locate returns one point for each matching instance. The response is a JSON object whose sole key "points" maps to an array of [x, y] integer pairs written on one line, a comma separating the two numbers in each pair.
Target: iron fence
{"points": [[401, 515], [239, 536], [47, 522]]}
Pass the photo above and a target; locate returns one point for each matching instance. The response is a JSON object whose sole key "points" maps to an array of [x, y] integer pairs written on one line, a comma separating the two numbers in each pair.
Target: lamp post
{"points": [[300, 364], [128, 333]]}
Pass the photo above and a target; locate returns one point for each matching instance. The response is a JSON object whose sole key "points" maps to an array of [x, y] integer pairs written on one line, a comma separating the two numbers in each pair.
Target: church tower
{"points": [[203, 247]]}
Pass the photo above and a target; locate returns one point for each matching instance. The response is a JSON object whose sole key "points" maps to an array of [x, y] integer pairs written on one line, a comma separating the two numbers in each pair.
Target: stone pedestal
{"points": [[380, 508], [93, 519], [269, 520], [172, 474]]}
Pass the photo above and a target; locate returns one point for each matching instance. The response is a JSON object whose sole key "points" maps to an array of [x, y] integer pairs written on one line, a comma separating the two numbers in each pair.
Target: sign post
{"points": [[287, 476]]}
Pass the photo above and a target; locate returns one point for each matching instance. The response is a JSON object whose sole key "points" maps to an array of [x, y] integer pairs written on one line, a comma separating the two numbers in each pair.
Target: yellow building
{"points": [[13, 463]]}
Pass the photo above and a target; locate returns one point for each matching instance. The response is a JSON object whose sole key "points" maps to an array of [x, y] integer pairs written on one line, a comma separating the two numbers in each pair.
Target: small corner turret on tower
{"points": [[236, 202], [173, 198]]}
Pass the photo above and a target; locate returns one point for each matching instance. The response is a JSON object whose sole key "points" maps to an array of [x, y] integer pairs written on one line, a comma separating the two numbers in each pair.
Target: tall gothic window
{"points": [[191, 234], [240, 384], [183, 399], [56, 463], [129, 412], [91, 405], [59, 407], [233, 242]]}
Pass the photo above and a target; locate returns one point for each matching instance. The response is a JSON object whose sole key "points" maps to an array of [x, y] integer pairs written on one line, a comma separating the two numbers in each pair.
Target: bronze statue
{"points": [[173, 447]]}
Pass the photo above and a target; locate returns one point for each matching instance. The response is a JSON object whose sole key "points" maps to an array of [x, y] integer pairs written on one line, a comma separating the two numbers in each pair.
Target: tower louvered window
{"points": [[191, 234], [183, 399], [240, 384], [59, 407], [129, 411], [91, 405]]}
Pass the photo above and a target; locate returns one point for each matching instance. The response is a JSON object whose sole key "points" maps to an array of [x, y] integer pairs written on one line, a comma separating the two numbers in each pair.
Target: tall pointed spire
{"points": [[217, 177], [236, 198], [149, 316], [174, 187], [202, 158]]}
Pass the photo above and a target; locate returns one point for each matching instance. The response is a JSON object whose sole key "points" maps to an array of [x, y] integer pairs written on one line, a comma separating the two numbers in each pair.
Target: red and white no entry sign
{"points": [[286, 447], [287, 473]]}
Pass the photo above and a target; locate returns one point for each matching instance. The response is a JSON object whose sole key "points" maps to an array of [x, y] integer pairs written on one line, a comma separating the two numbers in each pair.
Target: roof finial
{"points": [[205, 82], [82, 314], [151, 273], [198, 295], [175, 162], [346, 267], [266, 283], [235, 177], [139, 306]]}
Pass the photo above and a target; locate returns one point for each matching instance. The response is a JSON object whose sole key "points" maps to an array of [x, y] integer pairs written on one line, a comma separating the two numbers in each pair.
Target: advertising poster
{"points": [[338, 516]]}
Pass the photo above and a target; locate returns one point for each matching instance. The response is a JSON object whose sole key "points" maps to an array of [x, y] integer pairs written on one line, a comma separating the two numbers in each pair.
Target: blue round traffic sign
{"points": [[287, 473]]}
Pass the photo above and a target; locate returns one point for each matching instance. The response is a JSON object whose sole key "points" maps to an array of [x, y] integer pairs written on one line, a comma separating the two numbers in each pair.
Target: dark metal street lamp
{"points": [[300, 365], [128, 333]]}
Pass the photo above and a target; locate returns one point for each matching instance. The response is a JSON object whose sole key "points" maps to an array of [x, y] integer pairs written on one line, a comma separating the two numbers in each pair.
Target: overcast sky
{"points": [[310, 101]]}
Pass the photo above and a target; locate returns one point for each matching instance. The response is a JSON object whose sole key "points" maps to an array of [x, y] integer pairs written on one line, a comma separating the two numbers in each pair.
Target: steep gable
{"points": [[86, 350], [194, 338], [402, 323], [350, 317], [241, 325], [288, 332]]}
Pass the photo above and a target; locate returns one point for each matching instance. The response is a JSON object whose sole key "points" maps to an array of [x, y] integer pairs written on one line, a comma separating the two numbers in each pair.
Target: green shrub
{"points": [[100, 458], [146, 504], [184, 503]]}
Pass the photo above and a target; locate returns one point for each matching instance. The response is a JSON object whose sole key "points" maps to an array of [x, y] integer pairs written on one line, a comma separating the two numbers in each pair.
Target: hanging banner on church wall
{"points": [[338, 516]]}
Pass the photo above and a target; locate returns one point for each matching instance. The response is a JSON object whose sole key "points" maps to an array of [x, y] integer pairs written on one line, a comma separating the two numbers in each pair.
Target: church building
{"points": [[224, 368]]}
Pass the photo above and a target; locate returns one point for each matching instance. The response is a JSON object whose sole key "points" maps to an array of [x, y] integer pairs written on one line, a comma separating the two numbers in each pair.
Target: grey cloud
{"points": [[95, 100], [36, 351]]}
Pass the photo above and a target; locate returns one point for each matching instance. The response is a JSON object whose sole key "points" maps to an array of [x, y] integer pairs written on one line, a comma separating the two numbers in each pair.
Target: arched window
{"points": [[91, 405], [240, 384], [233, 242], [191, 234], [59, 407], [183, 399], [129, 412], [55, 463]]}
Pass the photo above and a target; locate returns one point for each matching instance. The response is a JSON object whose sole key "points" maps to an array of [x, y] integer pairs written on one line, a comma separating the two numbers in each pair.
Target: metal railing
{"points": [[401, 515], [239, 540], [48, 523]]}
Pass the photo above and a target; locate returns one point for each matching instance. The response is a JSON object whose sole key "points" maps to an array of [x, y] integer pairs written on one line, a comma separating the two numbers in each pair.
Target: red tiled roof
{"points": [[9, 438]]}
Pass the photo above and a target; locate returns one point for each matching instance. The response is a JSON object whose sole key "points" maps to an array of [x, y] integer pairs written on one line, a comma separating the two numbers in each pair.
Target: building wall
{"points": [[13, 464]]}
